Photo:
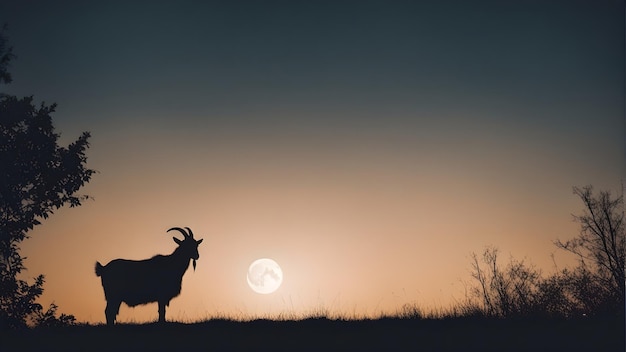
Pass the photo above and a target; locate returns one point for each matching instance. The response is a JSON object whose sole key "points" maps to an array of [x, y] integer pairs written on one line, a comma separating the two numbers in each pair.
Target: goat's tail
{"points": [[99, 269]]}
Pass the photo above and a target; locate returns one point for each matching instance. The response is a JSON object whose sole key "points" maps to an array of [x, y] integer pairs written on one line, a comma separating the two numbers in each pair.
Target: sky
{"points": [[368, 147]]}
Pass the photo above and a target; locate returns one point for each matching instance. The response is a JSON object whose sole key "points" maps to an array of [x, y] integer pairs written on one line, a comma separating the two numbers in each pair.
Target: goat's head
{"points": [[188, 246]]}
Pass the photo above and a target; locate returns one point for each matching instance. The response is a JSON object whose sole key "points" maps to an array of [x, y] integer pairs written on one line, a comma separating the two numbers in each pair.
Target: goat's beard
{"points": [[194, 265]]}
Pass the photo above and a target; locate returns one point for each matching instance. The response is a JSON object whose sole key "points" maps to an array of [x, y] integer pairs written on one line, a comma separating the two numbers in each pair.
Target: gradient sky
{"points": [[367, 146]]}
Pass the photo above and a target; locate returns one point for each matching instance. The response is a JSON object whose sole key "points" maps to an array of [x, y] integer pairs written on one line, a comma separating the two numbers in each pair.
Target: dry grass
{"points": [[459, 328], [410, 330]]}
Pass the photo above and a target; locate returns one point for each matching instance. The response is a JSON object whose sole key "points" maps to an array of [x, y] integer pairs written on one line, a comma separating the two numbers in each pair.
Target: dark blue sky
{"points": [[364, 59]]}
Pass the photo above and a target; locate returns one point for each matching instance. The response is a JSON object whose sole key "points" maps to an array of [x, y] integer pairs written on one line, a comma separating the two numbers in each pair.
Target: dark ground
{"points": [[320, 334]]}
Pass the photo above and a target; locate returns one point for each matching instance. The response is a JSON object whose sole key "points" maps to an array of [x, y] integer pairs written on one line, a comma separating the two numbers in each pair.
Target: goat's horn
{"points": [[190, 233], [179, 229]]}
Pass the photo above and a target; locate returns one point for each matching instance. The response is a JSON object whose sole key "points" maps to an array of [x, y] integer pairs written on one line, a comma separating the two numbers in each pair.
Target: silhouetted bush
{"points": [[503, 292], [594, 288], [49, 318]]}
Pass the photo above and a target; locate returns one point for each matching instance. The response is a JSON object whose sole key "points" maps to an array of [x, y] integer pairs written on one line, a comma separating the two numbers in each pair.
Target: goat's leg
{"points": [[162, 305], [113, 307]]}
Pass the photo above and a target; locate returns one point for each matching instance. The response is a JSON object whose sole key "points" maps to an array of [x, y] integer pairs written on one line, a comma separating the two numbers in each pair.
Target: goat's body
{"points": [[136, 282]]}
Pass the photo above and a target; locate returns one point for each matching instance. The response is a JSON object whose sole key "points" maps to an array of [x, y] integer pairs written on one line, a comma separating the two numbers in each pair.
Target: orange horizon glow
{"points": [[350, 242]]}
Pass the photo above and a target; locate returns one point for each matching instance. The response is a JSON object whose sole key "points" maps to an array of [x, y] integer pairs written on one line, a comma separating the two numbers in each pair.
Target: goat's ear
{"points": [[177, 240], [199, 241]]}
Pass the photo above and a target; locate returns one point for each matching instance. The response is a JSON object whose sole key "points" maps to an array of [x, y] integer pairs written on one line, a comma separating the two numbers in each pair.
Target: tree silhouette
{"points": [[600, 247], [37, 176]]}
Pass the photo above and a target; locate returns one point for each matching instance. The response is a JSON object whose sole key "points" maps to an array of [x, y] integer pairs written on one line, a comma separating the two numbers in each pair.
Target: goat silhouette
{"points": [[157, 279]]}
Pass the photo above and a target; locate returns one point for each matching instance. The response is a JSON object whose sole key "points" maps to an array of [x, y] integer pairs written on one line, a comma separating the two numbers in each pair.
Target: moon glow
{"points": [[264, 276]]}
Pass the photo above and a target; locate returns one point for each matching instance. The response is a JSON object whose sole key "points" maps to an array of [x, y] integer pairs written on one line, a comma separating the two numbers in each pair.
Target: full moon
{"points": [[264, 276]]}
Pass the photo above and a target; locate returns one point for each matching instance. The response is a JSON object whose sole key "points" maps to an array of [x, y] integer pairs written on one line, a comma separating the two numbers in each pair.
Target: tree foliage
{"points": [[37, 177]]}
